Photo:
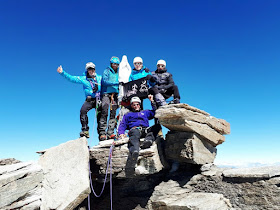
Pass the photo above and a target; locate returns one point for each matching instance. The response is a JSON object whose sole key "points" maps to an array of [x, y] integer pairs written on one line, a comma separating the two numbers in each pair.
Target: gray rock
{"points": [[66, 175], [256, 172], [169, 196], [211, 170], [8, 161], [187, 147], [150, 161], [20, 184], [182, 117]]}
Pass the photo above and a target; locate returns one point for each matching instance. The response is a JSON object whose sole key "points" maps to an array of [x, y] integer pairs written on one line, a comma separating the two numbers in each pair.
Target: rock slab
{"points": [[182, 117], [20, 186], [66, 175], [185, 147], [171, 196], [150, 161]]}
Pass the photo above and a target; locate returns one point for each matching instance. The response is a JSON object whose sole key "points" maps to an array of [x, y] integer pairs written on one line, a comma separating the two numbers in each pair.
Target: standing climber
{"points": [[110, 90], [92, 85], [140, 71], [164, 82], [137, 122]]}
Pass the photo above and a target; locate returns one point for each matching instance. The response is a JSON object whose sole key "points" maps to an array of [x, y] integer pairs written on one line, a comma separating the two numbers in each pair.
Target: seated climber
{"points": [[164, 83], [137, 122], [92, 85], [140, 71]]}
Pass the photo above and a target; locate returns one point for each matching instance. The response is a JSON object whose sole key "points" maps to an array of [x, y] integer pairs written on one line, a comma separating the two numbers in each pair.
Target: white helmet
{"points": [[161, 62], [137, 60], [90, 65], [135, 99]]}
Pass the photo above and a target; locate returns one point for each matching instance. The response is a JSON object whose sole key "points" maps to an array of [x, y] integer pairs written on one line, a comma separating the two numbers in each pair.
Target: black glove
{"points": [[147, 70], [153, 79], [148, 77], [121, 83], [95, 88]]}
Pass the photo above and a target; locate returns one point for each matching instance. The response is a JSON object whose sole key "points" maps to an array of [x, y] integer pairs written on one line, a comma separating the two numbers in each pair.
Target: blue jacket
{"points": [[110, 81], [135, 75], [85, 82], [136, 119]]}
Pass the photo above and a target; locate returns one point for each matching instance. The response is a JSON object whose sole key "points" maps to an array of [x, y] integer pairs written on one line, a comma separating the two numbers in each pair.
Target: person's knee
{"points": [[134, 132], [83, 111]]}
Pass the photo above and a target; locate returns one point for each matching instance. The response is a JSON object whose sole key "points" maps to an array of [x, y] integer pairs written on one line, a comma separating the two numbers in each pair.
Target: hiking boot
{"points": [[175, 101], [102, 138], [134, 155], [146, 144], [84, 133], [112, 136]]}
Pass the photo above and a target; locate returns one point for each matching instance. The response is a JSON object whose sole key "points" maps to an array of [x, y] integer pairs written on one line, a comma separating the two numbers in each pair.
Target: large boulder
{"points": [[66, 175], [150, 161], [21, 186], [182, 117], [185, 147], [171, 196]]}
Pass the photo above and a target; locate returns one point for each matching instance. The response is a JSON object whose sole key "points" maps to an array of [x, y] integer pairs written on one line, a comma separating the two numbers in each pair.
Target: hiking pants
{"points": [[89, 104], [112, 105], [135, 134], [172, 90]]}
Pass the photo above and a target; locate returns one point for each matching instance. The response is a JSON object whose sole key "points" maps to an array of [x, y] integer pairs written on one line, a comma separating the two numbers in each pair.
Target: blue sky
{"points": [[224, 57]]}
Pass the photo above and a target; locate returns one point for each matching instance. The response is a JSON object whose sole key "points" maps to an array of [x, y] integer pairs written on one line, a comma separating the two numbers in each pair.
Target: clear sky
{"points": [[224, 57]]}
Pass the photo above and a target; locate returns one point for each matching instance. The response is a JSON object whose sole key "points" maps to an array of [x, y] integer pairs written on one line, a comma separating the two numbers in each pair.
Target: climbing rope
{"points": [[109, 162]]}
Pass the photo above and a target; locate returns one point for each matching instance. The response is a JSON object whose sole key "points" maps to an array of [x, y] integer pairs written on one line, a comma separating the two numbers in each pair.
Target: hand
{"points": [[153, 79], [148, 77], [151, 97], [59, 69], [121, 136]]}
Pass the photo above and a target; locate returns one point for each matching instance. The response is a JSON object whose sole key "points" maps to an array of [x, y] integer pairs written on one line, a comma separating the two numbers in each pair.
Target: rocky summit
{"points": [[176, 172]]}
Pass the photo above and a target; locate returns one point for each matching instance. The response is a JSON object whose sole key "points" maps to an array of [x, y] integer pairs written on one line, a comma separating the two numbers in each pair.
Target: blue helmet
{"points": [[115, 60]]}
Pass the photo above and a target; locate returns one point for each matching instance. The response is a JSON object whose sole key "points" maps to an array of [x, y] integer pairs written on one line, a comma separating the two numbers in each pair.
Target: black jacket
{"points": [[163, 78]]}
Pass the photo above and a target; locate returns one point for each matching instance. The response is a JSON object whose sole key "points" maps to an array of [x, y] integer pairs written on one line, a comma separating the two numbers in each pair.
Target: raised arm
{"points": [[74, 79]]}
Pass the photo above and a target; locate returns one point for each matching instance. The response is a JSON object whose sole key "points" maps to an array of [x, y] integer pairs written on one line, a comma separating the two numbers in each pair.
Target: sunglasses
{"points": [[115, 64], [138, 64], [91, 69], [160, 66]]}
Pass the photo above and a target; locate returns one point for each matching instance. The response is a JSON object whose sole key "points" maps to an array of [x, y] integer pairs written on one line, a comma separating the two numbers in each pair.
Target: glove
{"points": [[121, 83], [153, 79], [148, 77], [95, 89], [147, 70]]}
